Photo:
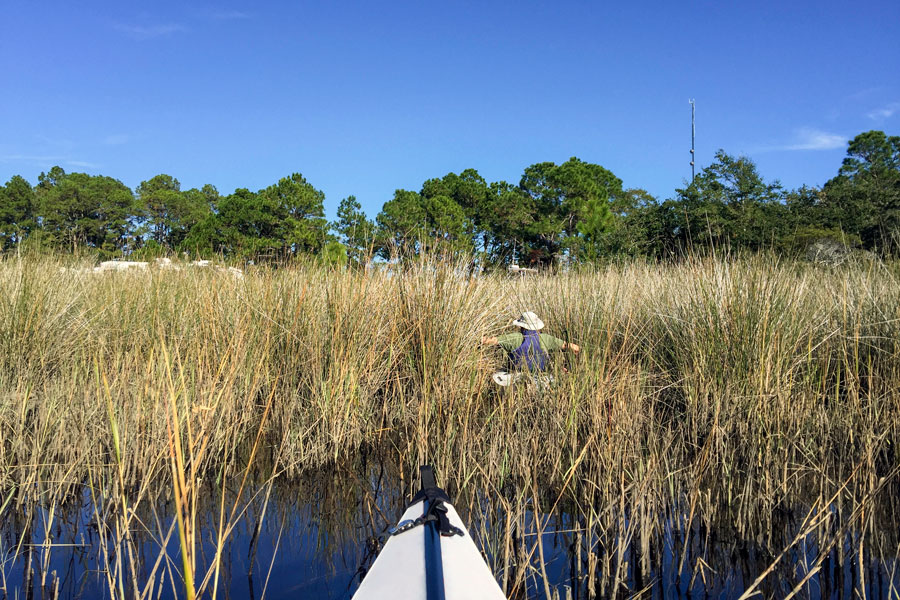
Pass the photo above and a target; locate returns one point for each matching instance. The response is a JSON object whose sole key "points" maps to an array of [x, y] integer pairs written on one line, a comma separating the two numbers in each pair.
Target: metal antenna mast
{"points": [[693, 131]]}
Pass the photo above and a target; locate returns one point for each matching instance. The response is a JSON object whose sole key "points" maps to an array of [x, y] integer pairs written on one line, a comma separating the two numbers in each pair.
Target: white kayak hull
{"points": [[399, 572]]}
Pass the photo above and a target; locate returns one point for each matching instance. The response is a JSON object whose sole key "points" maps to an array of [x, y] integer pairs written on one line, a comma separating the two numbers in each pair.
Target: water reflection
{"points": [[317, 535]]}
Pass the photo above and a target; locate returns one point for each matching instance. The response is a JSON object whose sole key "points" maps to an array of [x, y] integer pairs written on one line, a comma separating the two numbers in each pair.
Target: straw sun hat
{"points": [[529, 320]]}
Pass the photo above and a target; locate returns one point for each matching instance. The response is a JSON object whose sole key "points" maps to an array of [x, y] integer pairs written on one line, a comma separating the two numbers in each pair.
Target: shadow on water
{"points": [[315, 537]]}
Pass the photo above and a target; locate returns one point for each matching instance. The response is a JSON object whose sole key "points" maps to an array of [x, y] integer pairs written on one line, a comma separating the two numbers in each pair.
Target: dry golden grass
{"points": [[725, 388]]}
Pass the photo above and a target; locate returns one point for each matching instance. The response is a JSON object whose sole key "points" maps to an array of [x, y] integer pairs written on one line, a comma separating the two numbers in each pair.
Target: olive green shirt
{"points": [[511, 341]]}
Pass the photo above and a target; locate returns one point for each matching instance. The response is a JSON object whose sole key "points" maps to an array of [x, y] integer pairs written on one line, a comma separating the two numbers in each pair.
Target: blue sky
{"points": [[364, 98]]}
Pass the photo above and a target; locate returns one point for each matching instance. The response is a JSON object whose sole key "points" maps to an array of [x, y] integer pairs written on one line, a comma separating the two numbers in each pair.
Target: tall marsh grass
{"points": [[724, 391]]}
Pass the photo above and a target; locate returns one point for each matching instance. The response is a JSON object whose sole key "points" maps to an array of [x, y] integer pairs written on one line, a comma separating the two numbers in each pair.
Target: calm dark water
{"points": [[290, 556], [316, 539]]}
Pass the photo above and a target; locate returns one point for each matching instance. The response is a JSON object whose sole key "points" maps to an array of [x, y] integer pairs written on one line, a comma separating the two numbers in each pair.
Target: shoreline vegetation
{"points": [[557, 215], [723, 395]]}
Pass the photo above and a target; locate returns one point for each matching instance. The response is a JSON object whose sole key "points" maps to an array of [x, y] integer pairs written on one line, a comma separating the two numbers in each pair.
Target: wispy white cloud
{"points": [[864, 93], [146, 32], [116, 139], [805, 138], [31, 158], [82, 164], [814, 139], [229, 15], [47, 159], [885, 112], [61, 144]]}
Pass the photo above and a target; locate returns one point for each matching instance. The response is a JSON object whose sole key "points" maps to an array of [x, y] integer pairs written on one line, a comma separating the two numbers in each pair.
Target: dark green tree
{"points": [[413, 223], [642, 226], [729, 204], [206, 237], [170, 213], [300, 207], [808, 219], [401, 224], [79, 210], [543, 240], [572, 203], [466, 230], [864, 198], [116, 210], [249, 225], [356, 231], [195, 206], [508, 221], [16, 212], [165, 213], [211, 195], [203, 238], [446, 224], [282, 221]]}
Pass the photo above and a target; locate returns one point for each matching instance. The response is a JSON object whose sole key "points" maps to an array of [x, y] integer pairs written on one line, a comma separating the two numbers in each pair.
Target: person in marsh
{"points": [[528, 349]]}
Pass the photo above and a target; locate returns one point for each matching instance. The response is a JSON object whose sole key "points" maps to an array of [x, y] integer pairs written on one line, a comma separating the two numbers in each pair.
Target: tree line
{"points": [[570, 212]]}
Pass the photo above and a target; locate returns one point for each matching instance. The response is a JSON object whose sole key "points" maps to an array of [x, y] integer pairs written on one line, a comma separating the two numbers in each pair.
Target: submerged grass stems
{"points": [[718, 392]]}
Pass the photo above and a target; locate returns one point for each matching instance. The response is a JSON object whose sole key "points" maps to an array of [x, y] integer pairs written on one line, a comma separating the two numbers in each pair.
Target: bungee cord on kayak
{"points": [[429, 555]]}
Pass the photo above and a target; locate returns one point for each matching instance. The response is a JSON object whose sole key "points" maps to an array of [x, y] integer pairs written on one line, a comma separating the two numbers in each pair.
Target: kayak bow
{"points": [[429, 555]]}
